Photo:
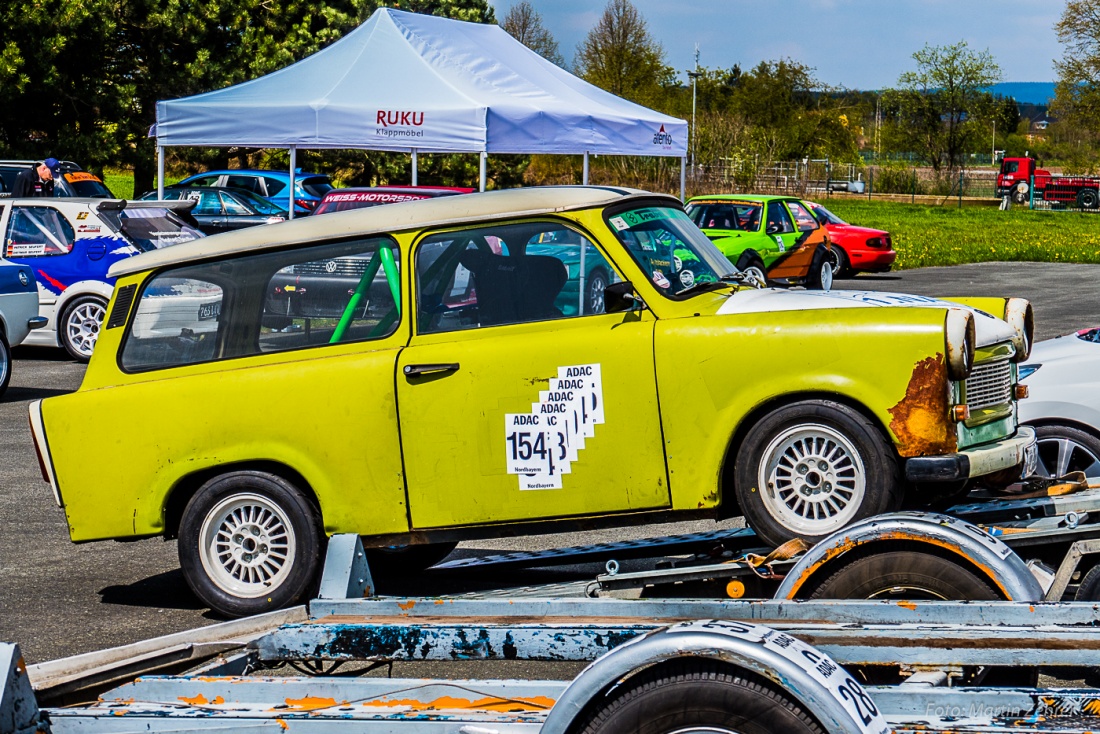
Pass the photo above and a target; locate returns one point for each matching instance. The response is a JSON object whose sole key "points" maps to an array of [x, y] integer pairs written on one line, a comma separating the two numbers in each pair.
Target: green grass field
{"points": [[925, 236]]}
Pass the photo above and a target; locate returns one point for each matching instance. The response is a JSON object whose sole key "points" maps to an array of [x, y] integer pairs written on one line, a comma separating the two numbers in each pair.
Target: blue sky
{"points": [[858, 44]]}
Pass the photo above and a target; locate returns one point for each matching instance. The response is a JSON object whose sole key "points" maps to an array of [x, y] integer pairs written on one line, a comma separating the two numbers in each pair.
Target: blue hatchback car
{"points": [[271, 185]]}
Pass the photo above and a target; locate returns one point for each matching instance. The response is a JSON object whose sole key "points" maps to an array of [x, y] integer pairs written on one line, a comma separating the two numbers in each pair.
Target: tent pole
{"points": [[414, 167], [293, 166], [160, 173], [584, 174], [481, 175], [683, 178]]}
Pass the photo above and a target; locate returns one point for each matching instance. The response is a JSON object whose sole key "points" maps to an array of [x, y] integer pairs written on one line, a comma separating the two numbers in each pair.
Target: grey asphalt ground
{"points": [[59, 599]]}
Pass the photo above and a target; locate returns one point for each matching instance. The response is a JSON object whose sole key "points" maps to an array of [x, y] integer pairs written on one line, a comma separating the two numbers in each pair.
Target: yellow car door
{"points": [[519, 397]]}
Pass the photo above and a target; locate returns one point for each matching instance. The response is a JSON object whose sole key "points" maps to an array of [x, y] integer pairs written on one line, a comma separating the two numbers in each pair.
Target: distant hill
{"points": [[1034, 93]]}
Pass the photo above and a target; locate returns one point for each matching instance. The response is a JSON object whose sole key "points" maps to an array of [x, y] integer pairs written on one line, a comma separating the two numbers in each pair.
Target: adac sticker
{"points": [[542, 445]]}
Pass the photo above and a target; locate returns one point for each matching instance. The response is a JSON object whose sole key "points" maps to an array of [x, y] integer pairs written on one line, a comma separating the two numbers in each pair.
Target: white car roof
{"points": [[399, 217]]}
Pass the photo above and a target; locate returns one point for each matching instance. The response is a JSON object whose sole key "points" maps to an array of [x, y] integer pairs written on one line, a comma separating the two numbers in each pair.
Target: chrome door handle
{"points": [[411, 370]]}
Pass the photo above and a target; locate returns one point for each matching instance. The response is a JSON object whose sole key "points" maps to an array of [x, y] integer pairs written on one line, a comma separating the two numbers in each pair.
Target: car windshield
{"points": [[825, 216], [151, 228], [85, 184], [671, 250], [258, 203], [739, 215]]}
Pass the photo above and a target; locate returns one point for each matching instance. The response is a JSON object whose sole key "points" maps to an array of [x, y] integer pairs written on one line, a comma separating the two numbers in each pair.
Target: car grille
{"points": [[989, 384], [342, 266]]}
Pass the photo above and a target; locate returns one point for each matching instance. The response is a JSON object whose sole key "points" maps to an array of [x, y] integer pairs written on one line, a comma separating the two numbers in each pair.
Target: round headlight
{"points": [[1021, 317], [960, 339]]}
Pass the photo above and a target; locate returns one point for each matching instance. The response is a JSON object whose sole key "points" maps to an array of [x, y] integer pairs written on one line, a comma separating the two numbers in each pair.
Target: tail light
{"points": [[306, 203]]}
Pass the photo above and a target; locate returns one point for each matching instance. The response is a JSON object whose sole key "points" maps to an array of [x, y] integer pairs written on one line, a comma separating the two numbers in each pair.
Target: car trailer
{"points": [[655, 664]]}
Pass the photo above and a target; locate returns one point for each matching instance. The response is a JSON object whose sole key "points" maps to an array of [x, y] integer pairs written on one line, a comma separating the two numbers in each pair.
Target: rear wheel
{"points": [[803, 472], [250, 542], [699, 697], [821, 272], [79, 325], [1088, 198]]}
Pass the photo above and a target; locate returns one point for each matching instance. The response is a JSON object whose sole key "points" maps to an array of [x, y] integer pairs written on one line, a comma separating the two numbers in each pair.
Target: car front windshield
{"points": [[825, 216], [671, 250]]}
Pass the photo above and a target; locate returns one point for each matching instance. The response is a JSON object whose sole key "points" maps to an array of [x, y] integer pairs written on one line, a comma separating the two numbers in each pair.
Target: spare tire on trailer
{"points": [[1088, 198]]}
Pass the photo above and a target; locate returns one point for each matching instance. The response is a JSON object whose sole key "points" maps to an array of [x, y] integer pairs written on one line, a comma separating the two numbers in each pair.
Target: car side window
{"points": [[35, 231], [802, 217], [206, 202], [1012, 167], [779, 221], [508, 274], [203, 181], [233, 207], [274, 186], [307, 297], [248, 183]]}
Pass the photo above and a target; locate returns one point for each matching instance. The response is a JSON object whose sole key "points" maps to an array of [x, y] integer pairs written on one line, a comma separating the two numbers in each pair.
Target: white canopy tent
{"points": [[411, 83]]}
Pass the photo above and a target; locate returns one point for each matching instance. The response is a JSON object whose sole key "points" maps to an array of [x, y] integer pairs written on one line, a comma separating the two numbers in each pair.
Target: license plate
{"points": [[209, 311], [1031, 459]]}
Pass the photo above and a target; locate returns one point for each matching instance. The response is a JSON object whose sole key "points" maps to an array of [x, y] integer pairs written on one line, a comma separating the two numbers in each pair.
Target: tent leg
{"points": [[160, 173], [414, 167], [481, 175], [584, 170], [293, 166], [683, 178]]}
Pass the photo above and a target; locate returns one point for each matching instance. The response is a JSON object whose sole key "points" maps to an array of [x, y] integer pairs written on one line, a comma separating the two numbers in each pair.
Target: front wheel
{"points": [[79, 325], [1065, 449], [5, 365], [1019, 193], [250, 542], [701, 697], [810, 468], [1088, 199], [750, 264]]}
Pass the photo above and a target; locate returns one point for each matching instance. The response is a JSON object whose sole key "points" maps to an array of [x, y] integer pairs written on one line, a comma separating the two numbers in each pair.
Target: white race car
{"points": [[1063, 378]]}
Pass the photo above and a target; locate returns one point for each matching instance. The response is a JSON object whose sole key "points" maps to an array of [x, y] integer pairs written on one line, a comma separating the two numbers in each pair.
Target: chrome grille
{"points": [[988, 385]]}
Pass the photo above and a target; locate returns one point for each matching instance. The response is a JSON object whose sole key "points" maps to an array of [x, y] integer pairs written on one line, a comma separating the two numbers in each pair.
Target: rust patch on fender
{"points": [[911, 606], [310, 703], [920, 419], [406, 605]]}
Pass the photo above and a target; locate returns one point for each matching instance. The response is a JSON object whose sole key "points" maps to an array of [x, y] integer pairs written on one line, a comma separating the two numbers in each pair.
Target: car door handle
{"points": [[411, 370]]}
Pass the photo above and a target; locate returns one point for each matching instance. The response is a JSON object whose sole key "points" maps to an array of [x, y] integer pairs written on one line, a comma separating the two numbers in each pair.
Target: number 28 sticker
{"points": [[542, 445]]}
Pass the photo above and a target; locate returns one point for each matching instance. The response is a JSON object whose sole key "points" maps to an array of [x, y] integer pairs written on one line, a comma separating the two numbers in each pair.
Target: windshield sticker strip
{"points": [[542, 445]]}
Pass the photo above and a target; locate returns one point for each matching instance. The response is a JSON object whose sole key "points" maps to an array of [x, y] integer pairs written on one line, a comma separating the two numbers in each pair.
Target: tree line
{"points": [[80, 79]]}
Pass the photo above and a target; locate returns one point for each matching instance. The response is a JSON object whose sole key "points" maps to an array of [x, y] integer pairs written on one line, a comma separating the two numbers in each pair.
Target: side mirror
{"points": [[619, 297]]}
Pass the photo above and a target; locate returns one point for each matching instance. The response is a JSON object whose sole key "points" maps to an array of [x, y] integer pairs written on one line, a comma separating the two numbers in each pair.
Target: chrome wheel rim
{"points": [[813, 479], [1060, 456], [247, 545], [595, 294], [82, 326], [758, 274]]}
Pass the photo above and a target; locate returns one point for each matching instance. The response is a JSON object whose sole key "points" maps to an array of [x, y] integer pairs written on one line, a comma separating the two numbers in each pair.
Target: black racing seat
{"points": [[515, 289]]}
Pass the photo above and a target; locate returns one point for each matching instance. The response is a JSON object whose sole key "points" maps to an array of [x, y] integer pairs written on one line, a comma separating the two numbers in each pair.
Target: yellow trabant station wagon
{"points": [[515, 361]]}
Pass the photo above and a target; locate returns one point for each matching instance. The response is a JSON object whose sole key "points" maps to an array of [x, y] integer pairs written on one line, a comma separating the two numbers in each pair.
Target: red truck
{"points": [[1019, 174]]}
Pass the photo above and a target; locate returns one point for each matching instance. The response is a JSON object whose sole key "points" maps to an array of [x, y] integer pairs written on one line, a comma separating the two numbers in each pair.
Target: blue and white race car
{"points": [[71, 243], [18, 312]]}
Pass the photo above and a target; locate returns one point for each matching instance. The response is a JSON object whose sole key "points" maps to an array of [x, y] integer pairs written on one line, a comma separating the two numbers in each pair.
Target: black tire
{"points": [[1089, 588], [839, 261], [1063, 449], [820, 277], [398, 560], [5, 364], [594, 296], [699, 695], [750, 262], [857, 474], [1088, 199], [1019, 194], [903, 574], [268, 538], [78, 327]]}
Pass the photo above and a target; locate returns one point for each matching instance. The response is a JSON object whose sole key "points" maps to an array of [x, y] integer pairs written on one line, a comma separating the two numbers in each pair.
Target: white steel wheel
{"points": [[813, 479], [247, 545], [80, 326]]}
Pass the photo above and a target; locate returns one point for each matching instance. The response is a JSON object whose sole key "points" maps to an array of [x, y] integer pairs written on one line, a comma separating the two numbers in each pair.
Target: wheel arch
{"points": [[186, 487], [981, 553], [737, 437], [1066, 423], [742, 648]]}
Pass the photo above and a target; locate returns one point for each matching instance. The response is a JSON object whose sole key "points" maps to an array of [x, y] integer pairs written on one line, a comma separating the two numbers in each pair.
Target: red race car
{"points": [[855, 249]]}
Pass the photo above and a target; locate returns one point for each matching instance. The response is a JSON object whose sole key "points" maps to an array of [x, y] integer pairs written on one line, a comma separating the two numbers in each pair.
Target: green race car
{"points": [[775, 237]]}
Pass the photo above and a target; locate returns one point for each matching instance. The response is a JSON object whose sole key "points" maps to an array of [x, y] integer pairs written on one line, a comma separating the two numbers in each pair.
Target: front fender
{"points": [[987, 554], [802, 672]]}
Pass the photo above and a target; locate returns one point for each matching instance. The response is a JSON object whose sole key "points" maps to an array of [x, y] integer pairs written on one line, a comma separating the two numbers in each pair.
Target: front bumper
{"points": [[1020, 450]]}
